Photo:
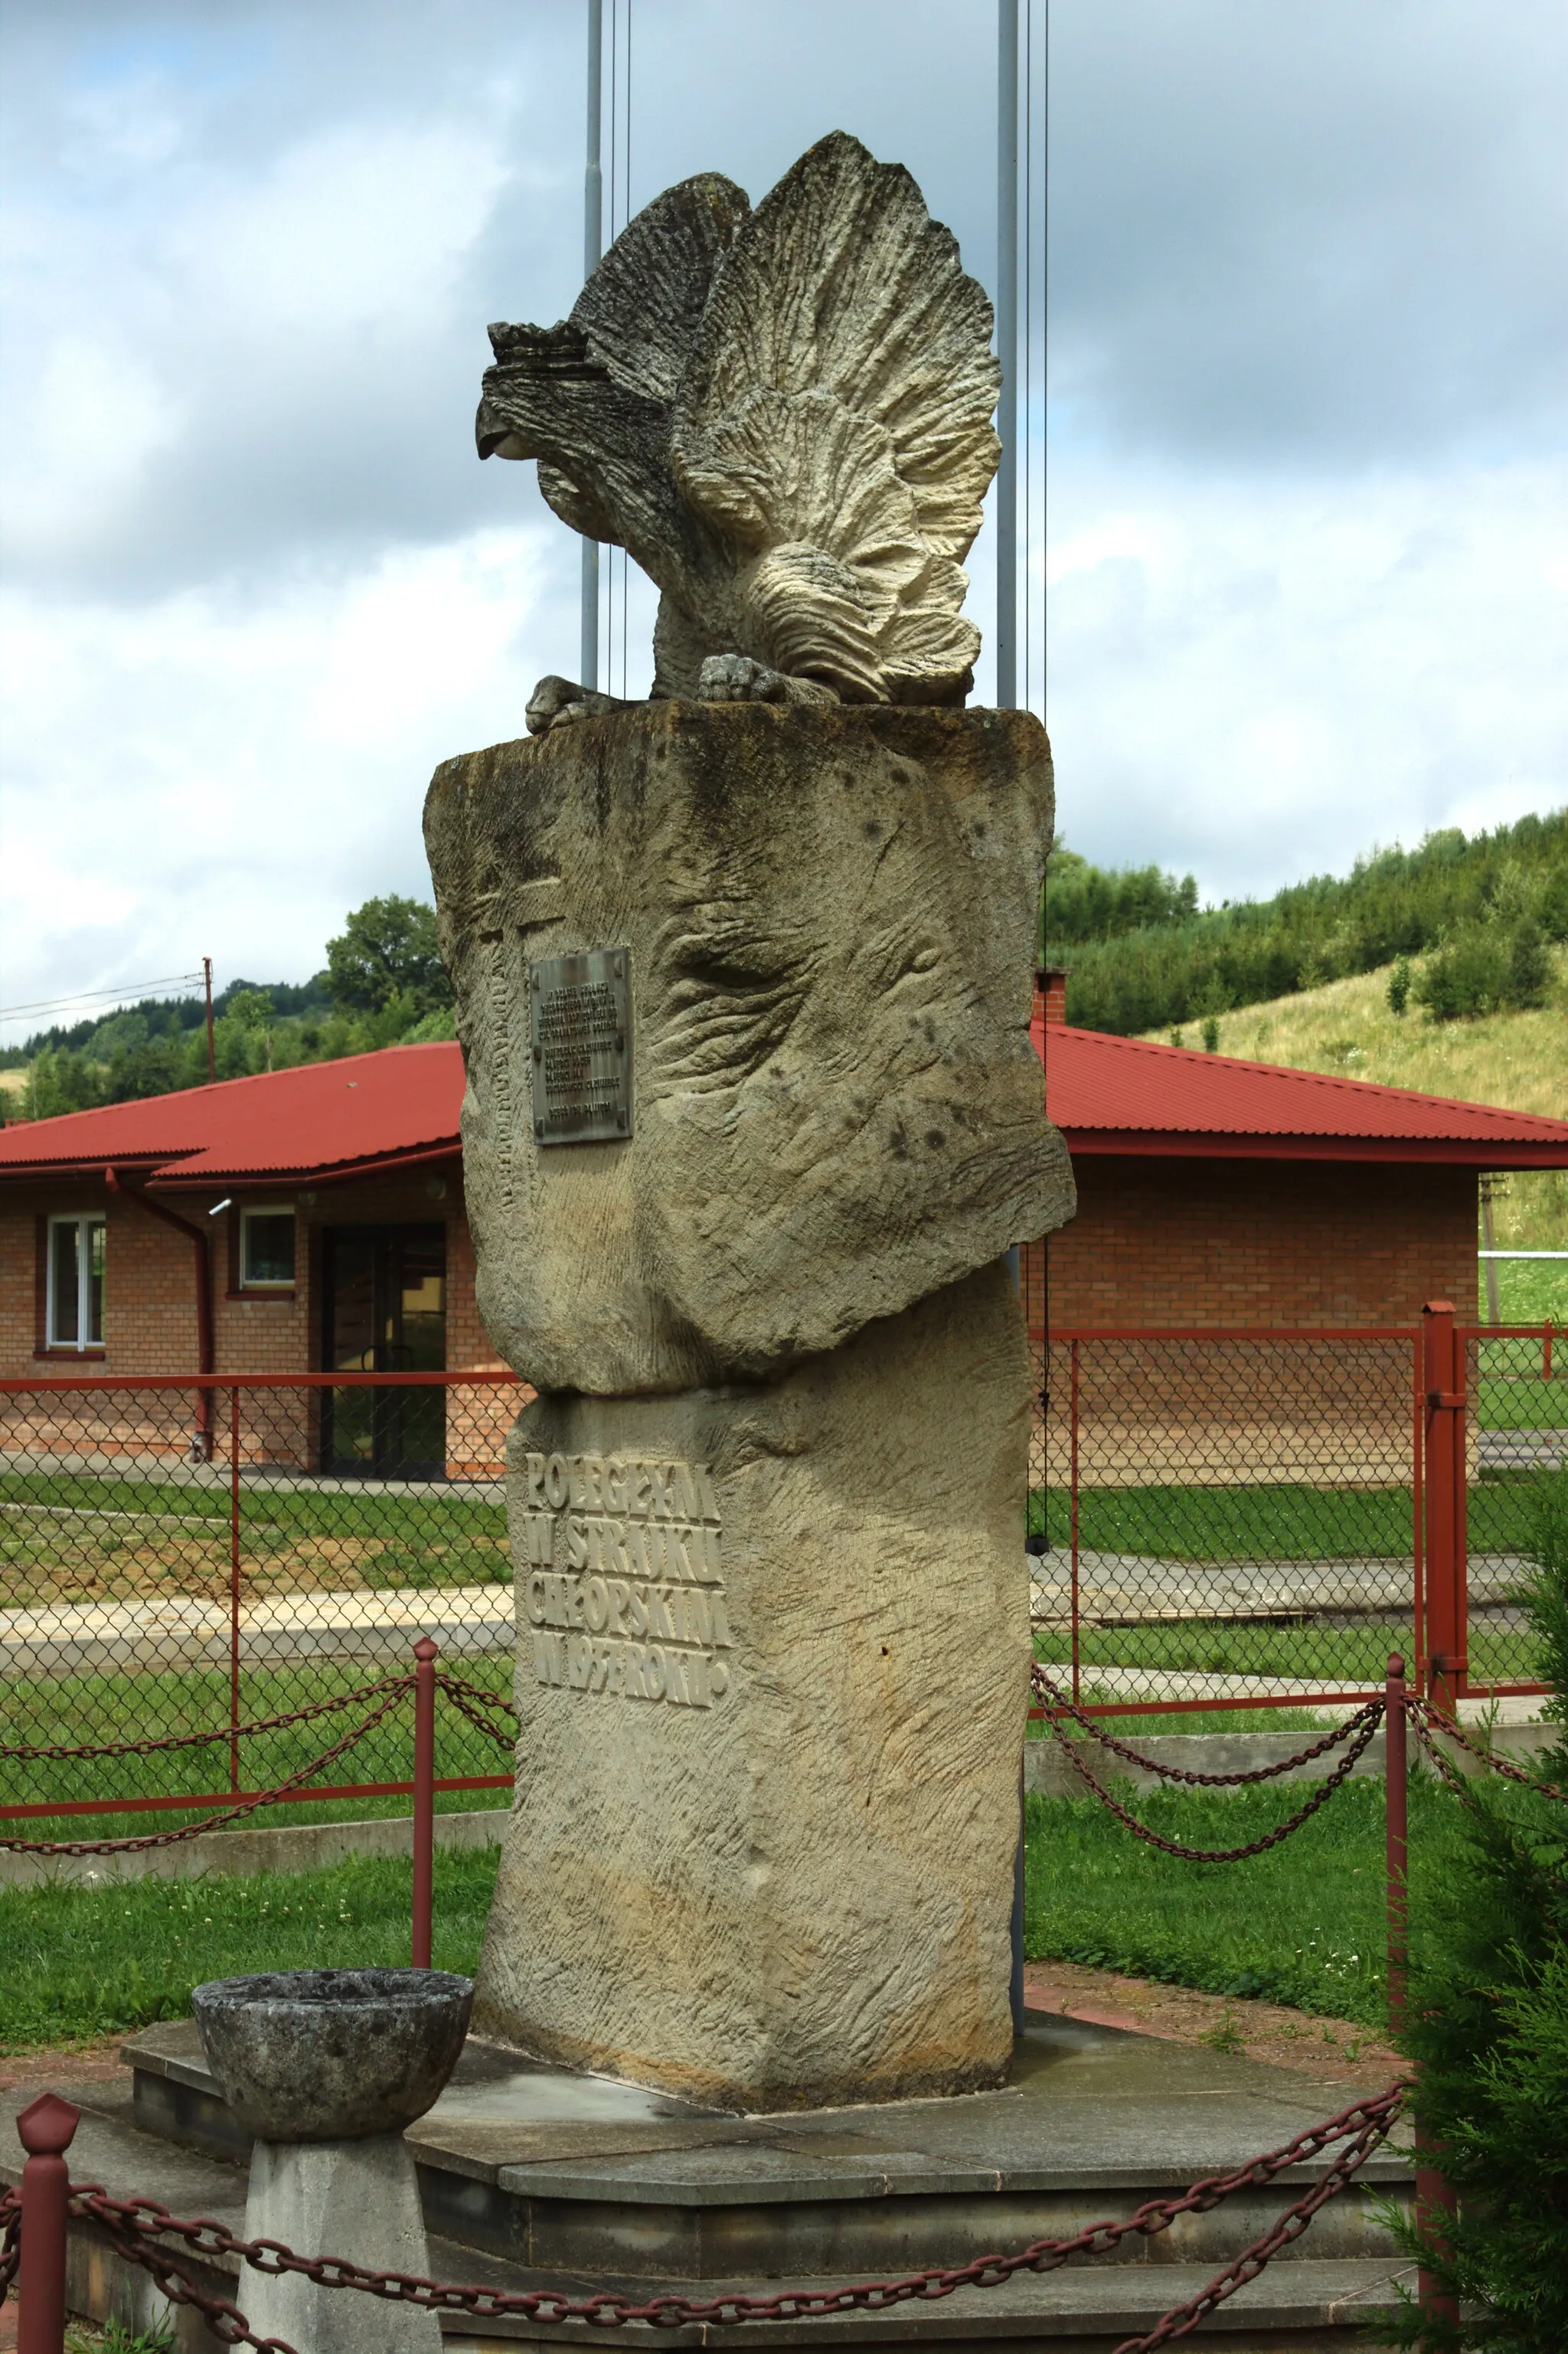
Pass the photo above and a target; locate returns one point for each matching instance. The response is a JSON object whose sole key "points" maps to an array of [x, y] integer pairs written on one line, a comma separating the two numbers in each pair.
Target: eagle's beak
{"points": [[494, 438]]}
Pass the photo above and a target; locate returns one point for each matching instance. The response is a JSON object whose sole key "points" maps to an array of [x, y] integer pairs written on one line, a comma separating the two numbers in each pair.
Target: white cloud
{"points": [[1257, 679], [197, 776], [1305, 592]]}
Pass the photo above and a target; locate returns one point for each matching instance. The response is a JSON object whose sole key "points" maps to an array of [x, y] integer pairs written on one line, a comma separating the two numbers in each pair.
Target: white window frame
{"points": [[271, 1284], [83, 1221]]}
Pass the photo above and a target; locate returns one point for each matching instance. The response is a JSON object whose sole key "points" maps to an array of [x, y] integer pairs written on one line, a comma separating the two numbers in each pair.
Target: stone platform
{"points": [[534, 2176]]}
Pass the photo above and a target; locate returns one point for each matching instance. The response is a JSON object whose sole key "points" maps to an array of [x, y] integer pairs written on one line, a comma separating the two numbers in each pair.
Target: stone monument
{"points": [[752, 1120]]}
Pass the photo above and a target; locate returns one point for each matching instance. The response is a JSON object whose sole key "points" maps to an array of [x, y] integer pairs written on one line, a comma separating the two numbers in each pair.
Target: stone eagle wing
{"points": [[639, 311], [834, 420]]}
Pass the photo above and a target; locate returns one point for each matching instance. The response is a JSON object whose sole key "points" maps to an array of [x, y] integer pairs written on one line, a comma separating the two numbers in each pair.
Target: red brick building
{"points": [[312, 1219], [1213, 1191]]}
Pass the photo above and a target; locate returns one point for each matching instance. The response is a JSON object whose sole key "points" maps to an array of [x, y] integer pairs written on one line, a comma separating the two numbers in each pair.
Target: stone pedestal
{"points": [[358, 2198], [768, 1512], [773, 1659]]}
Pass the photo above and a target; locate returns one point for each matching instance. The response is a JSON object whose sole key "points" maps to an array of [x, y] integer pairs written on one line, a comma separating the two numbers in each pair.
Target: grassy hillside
{"points": [[1517, 1060], [1480, 912]]}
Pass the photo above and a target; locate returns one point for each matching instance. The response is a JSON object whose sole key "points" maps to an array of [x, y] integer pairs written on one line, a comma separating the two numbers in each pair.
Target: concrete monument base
{"points": [[773, 1656], [359, 2198]]}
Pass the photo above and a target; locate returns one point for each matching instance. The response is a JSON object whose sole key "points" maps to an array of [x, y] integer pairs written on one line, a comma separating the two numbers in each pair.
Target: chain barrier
{"points": [[400, 1687], [1058, 1702], [135, 2228], [1369, 1718], [1439, 1720], [459, 1693], [204, 1740]]}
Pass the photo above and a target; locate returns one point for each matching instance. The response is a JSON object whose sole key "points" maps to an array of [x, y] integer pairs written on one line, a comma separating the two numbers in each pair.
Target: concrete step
{"points": [[1306, 2305], [536, 2177]]}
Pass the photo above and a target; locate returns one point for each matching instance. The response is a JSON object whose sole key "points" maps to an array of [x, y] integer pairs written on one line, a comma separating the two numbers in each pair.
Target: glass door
{"points": [[386, 1312]]}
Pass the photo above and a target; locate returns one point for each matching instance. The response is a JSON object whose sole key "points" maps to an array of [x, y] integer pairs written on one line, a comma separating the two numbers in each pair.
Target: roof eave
{"points": [[1455, 1152], [89, 1165], [331, 1172]]}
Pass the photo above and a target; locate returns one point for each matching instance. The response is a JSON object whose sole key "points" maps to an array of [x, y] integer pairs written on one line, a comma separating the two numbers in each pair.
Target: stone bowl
{"points": [[329, 2055]]}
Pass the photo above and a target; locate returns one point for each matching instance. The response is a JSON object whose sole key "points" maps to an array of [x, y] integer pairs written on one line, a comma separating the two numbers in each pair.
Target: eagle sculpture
{"points": [[784, 416]]}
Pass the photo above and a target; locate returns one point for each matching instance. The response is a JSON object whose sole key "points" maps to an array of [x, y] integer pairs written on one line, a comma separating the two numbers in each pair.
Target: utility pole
{"points": [[211, 1050], [1007, 353], [593, 246]]}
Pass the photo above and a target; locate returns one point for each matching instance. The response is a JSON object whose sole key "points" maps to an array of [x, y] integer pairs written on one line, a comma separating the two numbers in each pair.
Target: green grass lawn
{"points": [[1523, 1401], [87, 1962], [1268, 1522], [1352, 1655], [93, 1709], [1230, 1523], [1302, 1925], [1531, 1290], [343, 1508]]}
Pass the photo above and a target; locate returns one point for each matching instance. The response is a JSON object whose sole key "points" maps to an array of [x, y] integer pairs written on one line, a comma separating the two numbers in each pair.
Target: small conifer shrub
{"points": [[1488, 2027]]}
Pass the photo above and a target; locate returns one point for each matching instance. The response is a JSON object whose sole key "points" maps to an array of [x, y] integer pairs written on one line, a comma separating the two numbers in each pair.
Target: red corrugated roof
{"points": [[322, 1119], [1130, 1095], [1107, 1095]]}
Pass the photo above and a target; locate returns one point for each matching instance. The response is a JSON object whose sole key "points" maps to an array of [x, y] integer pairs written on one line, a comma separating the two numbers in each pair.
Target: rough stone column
{"points": [[766, 1514]]}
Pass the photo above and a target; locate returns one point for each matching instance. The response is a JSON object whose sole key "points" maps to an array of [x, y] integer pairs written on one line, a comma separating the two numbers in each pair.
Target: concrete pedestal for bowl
{"points": [[327, 2068]]}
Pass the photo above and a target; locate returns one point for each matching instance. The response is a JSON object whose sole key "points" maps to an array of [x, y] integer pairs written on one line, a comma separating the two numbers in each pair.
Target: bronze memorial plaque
{"points": [[579, 1027]]}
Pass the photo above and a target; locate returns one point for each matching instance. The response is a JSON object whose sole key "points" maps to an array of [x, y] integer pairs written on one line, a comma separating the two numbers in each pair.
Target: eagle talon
{"points": [[561, 703], [737, 678]]}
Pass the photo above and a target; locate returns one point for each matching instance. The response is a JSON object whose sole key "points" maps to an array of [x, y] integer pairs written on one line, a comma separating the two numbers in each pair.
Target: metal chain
{"points": [[507, 1741], [1252, 2260], [212, 1823], [133, 2225], [223, 1733], [1449, 1774], [455, 1684], [10, 2238], [1057, 1700], [1319, 1797], [1439, 1720]]}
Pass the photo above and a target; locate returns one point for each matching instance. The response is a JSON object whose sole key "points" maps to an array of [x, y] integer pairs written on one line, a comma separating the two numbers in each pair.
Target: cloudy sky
{"points": [[1303, 572]]}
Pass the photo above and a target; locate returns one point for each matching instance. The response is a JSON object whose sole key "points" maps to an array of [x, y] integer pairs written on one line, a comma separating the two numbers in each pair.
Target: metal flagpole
{"points": [[593, 246], [1007, 353]]}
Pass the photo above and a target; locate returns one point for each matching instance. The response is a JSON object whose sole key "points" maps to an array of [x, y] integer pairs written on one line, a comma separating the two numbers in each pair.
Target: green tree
{"points": [[1487, 2025], [387, 949], [1528, 972], [1399, 985]]}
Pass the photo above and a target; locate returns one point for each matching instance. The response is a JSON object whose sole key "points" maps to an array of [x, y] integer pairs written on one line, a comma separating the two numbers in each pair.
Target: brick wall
{"points": [[149, 1317], [1161, 1242]]}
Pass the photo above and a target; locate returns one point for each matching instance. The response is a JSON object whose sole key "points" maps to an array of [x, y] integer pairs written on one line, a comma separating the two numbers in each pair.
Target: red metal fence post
{"points": [[45, 2128], [233, 1587], [1445, 1498], [1396, 1814], [425, 1655], [1435, 2203], [1073, 1479]]}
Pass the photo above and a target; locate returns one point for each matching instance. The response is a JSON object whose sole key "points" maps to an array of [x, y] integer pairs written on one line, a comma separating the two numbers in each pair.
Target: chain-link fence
{"points": [[1222, 1519], [1215, 1519], [1516, 1478], [174, 1559]]}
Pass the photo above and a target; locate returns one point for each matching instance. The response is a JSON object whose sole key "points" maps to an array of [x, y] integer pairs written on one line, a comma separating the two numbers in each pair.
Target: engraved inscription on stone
{"points": [[621, 1581], [579, 1017]]}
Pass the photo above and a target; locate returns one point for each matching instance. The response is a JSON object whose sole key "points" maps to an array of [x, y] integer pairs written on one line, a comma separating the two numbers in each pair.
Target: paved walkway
{"points": [[83, 1639], [1134, 1589]]}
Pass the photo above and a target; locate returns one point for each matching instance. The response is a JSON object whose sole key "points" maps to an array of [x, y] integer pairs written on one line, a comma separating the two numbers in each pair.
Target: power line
{"points": [[127, 990]]}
